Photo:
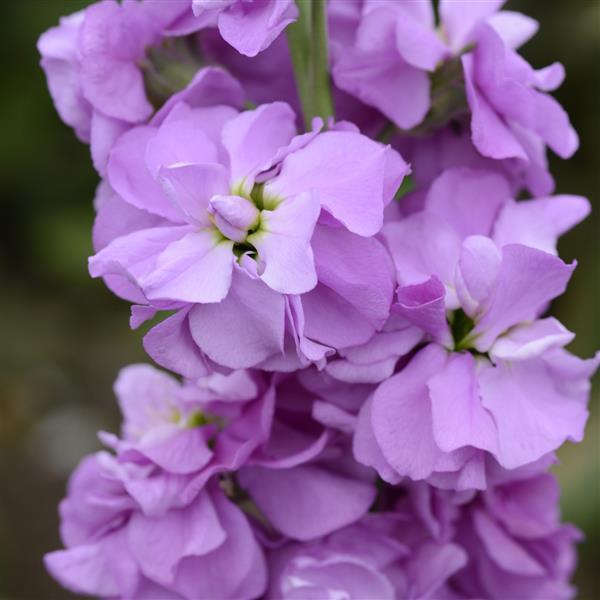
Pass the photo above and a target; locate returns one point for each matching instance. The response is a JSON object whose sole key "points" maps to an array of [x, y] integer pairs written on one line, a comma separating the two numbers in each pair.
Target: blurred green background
{"points": [[64, 336]]}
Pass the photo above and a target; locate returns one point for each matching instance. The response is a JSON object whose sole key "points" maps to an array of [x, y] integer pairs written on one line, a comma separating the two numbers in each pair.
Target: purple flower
{"points": [[150, 520], [261, 239], [92, 63], [383, 53], [452, 419], [470, 215], [114, 549], [177, 436], [491, 259], [511, 115], [508, 393], [386, 555], [250, 26], [516, 545]]}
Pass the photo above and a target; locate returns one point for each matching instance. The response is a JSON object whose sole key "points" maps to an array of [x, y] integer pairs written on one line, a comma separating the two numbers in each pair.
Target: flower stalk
{"points": [[308, 44]]}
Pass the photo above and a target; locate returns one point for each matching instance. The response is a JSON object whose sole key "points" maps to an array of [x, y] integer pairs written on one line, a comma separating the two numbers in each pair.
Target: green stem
{"points": [[321, 90], [297, 36], [307, 40]]}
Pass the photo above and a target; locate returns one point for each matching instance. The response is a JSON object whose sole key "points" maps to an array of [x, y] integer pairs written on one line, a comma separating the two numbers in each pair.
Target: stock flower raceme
{"points": [[371, 391], [262, 240]]}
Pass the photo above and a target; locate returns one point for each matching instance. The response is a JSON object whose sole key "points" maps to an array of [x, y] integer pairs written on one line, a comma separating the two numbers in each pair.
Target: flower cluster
{"points": [[367, 395]]}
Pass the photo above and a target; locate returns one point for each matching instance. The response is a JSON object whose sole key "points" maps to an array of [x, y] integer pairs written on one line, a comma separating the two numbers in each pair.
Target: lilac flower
{"points": [[469, 239], [92, 63], [261, 239], [511, 533], [383, 53], [508, 393], [250, 26], [511, 115], [158, 489], [453, 419], [513, 119], [114, 549], [461, 208], [179, 436], [386, 555], [516, 545]]}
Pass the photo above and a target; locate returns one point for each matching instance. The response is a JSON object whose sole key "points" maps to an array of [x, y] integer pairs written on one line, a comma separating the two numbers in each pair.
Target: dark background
{"points": [[64, 337]]}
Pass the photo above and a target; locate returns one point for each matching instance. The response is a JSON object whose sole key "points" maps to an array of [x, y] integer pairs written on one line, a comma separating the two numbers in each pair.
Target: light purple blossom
{"points": [[512, 116], [489, 256], [383, 53], [508, 393], [517, 546], [205, 549], [387, 555], [262, 239], [250, 26], [158, 487], [452, 419], [92, 63]]}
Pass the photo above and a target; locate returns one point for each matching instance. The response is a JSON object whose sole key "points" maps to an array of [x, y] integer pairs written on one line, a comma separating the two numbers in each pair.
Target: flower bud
{"points": [[234, 216]]}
